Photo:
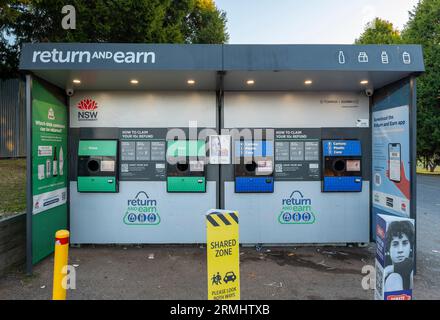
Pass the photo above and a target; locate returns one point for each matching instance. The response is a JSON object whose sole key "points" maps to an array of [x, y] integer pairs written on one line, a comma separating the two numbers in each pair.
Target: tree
{"points": [[136, 21], [206, 24], [423, 28], [379, 31]]}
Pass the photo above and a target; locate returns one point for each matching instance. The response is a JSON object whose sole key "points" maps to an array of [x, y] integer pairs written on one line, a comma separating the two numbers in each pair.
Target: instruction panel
{"points": [[142, 154], [297, 154]]}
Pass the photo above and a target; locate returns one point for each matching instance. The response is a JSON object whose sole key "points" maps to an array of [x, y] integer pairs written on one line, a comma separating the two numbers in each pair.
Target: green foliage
{"points": [[206, 24], [129, 21], [379, 31], [12, 187], [423, 28]]}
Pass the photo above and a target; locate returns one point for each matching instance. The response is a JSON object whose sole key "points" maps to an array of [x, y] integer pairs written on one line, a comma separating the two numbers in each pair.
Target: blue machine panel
{"points": [[254, 184], [342, 184], [253, 148], [341, 148]]}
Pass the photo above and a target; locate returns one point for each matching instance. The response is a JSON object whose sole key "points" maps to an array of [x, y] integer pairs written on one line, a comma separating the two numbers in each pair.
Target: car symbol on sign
{"points": [[229, 276]]}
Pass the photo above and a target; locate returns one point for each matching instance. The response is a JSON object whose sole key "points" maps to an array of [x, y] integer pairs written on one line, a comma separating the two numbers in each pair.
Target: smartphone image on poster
{"points": [[394, 161]]}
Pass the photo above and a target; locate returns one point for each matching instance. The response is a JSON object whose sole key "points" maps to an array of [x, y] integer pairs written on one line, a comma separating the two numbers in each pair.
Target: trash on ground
{"points": [[76, 265], [329, 252], [274, 284], [322, 263], [151, 256], [252, 275], [42, 287]]}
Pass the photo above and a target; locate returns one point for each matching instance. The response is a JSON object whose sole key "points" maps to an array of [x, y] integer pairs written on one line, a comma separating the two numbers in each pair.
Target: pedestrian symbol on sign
{"points": [[216, 279]]}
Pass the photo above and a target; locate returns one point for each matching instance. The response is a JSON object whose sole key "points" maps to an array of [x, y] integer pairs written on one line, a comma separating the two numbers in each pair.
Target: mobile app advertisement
{"points": [[391, 162]]}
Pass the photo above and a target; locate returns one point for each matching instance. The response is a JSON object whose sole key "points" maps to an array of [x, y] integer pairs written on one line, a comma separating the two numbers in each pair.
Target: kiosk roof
{"points": [[109, 66]]}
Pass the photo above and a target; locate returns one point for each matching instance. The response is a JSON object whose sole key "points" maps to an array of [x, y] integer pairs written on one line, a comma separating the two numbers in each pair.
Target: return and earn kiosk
{"points": [[134, 143]]}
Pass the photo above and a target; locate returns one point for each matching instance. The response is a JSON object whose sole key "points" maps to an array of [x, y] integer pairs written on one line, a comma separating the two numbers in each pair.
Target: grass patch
{"points": [[422, 170], [12, 187]]}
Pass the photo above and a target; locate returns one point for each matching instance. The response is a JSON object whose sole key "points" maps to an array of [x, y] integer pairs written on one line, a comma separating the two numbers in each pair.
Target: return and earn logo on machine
{"points": [[297, 210], [142, 211]]}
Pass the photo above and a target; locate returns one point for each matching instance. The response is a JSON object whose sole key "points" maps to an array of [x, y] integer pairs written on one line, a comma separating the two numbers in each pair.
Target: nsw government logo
{"points": [[87, 110], [141, 211], [297, 210]]}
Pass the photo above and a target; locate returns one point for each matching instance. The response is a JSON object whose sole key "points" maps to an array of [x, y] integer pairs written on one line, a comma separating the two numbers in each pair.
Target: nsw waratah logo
{"points": [[141, 211], [297, 209], [87, 110]]}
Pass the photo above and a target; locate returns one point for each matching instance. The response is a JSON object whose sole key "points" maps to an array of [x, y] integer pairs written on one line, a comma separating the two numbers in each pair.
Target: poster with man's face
{"points": [[394, 258]]}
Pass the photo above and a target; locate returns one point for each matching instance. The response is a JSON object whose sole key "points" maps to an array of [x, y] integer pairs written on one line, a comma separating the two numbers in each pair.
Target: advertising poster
{"points": [[220, 149], [391, 161], [394, 258], [49, 151], [49, 169]]}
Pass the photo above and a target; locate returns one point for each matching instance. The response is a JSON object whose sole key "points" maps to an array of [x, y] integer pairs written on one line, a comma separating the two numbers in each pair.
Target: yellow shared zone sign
{"points": [[223, 255]]}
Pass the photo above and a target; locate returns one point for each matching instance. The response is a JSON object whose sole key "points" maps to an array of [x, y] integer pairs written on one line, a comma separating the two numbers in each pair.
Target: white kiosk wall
{"points": [[101, 217], [338, 217]]}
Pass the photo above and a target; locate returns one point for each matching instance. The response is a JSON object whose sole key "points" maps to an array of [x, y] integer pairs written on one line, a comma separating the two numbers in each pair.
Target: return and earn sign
{"points": [[223, 255]]}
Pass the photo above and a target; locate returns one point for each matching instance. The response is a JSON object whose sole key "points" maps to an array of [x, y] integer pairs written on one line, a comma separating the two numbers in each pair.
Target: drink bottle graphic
{"points": [[61, 161], [55, 163], [48, 171], [341, 57]]}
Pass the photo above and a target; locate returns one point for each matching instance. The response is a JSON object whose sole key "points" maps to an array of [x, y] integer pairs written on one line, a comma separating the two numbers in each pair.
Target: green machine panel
{"points": [[98, 148], [186, 166], [186, 184], [98, 166]]}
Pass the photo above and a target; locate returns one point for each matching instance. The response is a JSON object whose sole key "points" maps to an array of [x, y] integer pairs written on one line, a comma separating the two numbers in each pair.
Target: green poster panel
{"points": [[185, 148], [49, 170]]}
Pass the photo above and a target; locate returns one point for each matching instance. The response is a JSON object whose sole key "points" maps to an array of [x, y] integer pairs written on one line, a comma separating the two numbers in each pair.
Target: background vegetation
{"points": [[422, 28]]}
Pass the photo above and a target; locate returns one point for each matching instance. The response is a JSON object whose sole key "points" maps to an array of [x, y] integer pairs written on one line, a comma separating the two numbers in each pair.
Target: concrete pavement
{"points": [[179, 272]]}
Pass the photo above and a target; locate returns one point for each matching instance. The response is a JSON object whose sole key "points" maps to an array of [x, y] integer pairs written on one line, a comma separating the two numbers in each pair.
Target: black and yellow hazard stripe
{"points": [[218, 219]]}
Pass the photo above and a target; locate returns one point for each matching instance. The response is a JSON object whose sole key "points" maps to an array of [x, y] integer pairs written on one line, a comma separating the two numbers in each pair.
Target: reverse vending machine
{"points": [[254, 166], [98, 166], [186, 166]]}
